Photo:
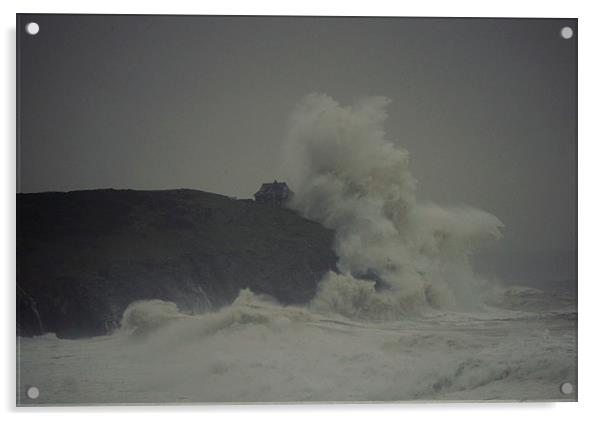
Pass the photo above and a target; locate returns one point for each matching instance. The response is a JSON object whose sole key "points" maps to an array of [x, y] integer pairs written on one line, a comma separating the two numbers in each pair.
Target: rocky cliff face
{"points": [[83, 256]]}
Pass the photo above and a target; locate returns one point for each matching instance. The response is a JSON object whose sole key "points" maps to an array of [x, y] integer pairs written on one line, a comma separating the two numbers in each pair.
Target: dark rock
{"points": [[29, 322], [84, 256]]}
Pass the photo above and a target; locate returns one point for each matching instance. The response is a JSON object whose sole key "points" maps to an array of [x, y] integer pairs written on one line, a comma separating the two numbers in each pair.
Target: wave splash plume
{"points": [[348, 176]]}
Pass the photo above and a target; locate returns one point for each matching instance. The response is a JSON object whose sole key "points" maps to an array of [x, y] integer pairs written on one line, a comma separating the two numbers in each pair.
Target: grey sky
{"points": [[487, 108]]}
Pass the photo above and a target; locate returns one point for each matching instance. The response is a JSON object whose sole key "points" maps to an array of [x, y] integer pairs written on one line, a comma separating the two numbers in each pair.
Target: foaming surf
{"points": [[256, 350]]}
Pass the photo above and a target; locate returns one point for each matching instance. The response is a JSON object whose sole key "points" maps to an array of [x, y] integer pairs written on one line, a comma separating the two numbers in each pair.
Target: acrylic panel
{"points": [[256, 209]]}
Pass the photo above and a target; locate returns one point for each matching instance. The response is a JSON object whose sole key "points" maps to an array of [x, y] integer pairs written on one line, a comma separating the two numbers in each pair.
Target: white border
{"points": [[590, 95]]}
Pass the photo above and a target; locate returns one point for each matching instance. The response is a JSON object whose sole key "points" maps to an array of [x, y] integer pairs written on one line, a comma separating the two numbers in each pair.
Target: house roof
{"points": [[273, 189]]}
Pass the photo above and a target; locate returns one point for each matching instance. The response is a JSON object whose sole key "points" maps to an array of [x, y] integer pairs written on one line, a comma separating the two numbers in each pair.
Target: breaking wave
{"points": [[349, 177], [144, 317]]}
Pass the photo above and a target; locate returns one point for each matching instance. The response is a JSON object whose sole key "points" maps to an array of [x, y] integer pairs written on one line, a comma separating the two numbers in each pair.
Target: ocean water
{"points": [[432, 330], [258, 351]]}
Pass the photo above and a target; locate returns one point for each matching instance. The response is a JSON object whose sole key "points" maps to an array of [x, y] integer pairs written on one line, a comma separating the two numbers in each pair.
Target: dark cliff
{"points": [[83, 256]]}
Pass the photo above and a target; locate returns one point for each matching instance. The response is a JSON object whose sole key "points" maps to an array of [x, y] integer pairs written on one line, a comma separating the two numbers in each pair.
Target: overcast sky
{"points": [[487, 108]]}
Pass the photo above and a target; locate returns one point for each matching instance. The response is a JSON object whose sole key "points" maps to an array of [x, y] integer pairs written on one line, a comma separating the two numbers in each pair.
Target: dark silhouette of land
{"points": [[84, 256]]}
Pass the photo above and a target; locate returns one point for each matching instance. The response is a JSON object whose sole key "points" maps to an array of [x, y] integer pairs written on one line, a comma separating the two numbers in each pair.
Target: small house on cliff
{"points": [[275, 193]]}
